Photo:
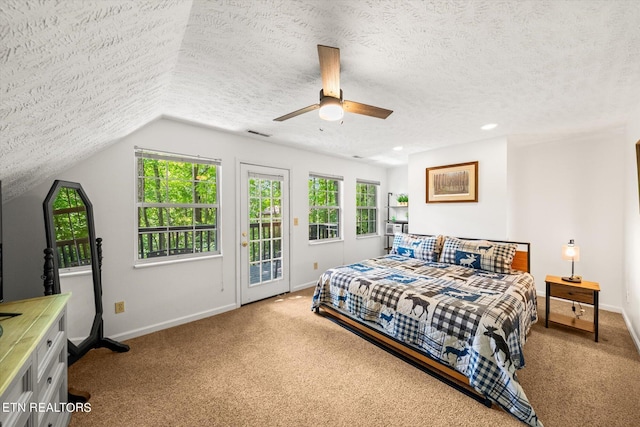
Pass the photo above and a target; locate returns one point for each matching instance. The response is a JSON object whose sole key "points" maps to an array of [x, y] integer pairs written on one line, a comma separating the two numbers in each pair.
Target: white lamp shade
{"points": [[331, 109], [571, 252]]}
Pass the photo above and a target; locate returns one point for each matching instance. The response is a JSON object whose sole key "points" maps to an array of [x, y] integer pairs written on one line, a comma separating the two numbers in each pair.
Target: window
{"points": [[177, 203], [265, 227], [366, 207], [324, 207]]}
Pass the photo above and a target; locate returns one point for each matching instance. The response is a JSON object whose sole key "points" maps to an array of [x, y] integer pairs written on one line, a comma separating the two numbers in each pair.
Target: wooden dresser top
{"points": [[21, 334]]}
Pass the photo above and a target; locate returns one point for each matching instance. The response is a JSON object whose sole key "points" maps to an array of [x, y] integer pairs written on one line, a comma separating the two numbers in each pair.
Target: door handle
{"points": [[244, 244]]}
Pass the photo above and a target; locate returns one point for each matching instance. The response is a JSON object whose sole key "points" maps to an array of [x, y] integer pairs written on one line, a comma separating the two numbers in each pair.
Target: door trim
{"points": [[238, 224]]}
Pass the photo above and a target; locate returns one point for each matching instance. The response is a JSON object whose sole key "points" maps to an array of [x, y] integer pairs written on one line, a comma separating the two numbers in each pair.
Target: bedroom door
{"points": [[264, 232]]}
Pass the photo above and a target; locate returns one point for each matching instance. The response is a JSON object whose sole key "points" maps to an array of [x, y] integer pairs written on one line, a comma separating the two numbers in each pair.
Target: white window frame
{"points": [[141, 153], [369, 208], [337, 207]]}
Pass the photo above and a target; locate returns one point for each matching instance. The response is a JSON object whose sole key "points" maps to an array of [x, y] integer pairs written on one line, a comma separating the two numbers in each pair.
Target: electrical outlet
{"points": [[120, 307], [315, 265], [295, 221]]}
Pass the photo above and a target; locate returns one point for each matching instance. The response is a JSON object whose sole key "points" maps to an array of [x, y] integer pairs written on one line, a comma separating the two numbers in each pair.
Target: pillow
{"points": [[479, 254], [425, 248]]}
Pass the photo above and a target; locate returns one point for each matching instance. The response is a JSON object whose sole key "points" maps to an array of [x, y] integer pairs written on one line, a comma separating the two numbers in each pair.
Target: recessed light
{"points": [[489, 126], [398, 148]]}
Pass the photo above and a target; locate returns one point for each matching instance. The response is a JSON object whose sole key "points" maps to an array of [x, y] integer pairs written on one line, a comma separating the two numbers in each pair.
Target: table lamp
{"points": [[571, 252]]}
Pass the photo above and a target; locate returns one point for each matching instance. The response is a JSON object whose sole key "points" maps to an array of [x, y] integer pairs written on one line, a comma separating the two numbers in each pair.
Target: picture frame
{"points": [[456, 183]]}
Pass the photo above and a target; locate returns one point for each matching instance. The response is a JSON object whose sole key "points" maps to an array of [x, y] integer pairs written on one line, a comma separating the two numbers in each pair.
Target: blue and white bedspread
{"points": [[474, 321]]}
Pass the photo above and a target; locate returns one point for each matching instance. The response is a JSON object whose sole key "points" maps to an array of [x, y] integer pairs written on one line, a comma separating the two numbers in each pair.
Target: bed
{"points": [[461, 308]]}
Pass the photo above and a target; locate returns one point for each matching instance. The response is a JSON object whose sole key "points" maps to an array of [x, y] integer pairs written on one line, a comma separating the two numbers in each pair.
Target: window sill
{"points": [[175, 261], [367, 236], [78, 271], [324, 241]]}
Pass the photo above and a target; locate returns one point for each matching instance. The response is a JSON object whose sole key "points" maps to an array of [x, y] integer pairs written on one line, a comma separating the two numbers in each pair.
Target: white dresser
{"points": [[33, 363]]}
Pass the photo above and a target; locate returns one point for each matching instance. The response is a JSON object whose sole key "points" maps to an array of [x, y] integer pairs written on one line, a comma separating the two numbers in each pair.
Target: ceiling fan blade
{"points": [[367, 110], [330, 70], [297, 113]]}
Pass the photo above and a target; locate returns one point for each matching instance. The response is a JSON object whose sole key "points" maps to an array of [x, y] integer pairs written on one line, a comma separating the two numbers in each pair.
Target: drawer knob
{"points": [[49, 342], [49, 380]]}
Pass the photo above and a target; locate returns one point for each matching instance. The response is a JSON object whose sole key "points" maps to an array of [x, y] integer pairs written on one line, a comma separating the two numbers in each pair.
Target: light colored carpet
{"points": [[276, 363]]}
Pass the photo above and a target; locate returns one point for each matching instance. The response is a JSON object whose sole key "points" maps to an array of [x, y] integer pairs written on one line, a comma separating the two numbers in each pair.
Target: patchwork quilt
{"points": [[472, 320]]}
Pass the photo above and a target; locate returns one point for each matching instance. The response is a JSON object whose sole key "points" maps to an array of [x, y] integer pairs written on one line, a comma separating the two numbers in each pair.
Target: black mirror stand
{"points": [[79, 396], [99, 340]]}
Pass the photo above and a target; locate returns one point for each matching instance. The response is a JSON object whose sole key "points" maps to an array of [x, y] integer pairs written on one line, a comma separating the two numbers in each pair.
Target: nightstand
{"points": [[584, 292]]}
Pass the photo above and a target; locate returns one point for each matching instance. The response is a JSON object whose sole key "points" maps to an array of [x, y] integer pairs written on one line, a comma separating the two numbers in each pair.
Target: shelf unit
{"points": [[394, 225]]}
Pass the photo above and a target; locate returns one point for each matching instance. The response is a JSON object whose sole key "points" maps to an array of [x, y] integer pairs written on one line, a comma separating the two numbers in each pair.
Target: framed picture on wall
{"points": [[453, 183]]}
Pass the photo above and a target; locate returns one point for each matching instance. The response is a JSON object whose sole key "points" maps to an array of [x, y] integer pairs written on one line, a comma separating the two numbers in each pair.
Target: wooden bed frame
{"points": [[413, 356]]}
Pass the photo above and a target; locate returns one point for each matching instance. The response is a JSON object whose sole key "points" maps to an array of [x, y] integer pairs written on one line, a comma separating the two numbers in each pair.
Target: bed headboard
{"points": [[522, 258]]}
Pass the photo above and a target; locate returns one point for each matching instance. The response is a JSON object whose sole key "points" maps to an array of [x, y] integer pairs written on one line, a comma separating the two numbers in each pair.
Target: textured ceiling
{"points": [[78, 75]]}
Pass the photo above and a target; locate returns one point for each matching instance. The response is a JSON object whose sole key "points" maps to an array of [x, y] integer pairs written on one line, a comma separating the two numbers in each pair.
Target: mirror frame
{"points": [[76, 351]]}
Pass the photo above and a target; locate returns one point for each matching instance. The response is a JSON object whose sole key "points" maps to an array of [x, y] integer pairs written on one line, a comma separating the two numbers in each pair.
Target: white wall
{"points": [[631, 291], [570, 189], [397, 183], [544, 194], [398, 179], [161, 296], [488, 217]]}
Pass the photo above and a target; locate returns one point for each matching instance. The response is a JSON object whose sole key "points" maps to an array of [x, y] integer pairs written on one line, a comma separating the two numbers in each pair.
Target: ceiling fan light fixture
{"points": [[331, 109]]}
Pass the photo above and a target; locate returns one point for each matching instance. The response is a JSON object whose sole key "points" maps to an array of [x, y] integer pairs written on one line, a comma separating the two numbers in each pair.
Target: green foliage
{"points": [[324, 208], [402, 198], [71, 228], [366, 207], [178, 211], [365, 194], [265, 225]]}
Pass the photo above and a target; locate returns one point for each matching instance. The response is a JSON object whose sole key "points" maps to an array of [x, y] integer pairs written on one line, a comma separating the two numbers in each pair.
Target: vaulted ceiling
{"points": [[77, 75]]}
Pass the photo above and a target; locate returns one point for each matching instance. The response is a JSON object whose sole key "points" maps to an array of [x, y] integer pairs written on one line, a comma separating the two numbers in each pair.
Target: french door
{"points": [[264, 232]]}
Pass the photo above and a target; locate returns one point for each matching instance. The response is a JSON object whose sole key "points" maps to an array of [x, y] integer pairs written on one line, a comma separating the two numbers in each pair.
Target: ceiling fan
{"points": [[332, 105]]}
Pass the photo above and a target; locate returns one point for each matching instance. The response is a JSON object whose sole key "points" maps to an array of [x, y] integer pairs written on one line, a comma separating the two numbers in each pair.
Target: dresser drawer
{"points": [[50, 377], [50, 343], [15, 410], [572, 293], [53, 412], [20, 419], [55, 419]]}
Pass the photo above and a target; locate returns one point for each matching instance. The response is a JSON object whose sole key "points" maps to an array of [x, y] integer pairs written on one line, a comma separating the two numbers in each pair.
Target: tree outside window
{"points": [[177, 203], [324, 208], [366, 208]]}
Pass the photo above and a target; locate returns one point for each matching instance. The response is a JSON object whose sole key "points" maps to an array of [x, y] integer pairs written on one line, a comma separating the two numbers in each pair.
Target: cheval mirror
{"points": [[73, 251]]}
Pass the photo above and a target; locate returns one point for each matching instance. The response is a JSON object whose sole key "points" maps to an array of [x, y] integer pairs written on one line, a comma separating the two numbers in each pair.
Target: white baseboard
{"points": [[607, 307], [77, 341], [182, 320], [303, 286], [171, 323], [634, 335]]}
